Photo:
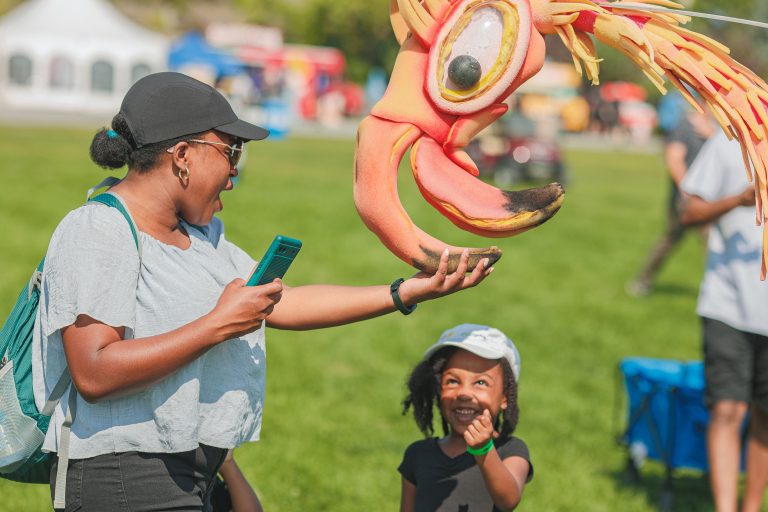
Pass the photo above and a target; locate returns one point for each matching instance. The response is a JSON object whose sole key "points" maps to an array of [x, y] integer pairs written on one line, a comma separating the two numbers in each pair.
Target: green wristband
{"points": [[481, 451]]}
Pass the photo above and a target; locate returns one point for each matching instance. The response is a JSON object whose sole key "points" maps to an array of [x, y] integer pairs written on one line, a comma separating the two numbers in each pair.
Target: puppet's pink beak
{"points": [[464, 199], [472, 204]]}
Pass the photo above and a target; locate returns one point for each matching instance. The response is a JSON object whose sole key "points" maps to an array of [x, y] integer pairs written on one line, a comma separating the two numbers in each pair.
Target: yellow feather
{"points": [[743, 82], [666, 18], [683, 90], [665, 32], [577, 46], [650, 70], [592, 65], [663, 3], [399, 26], [590, 5], [586, 41], [434, 6], [558, 20], [414, 16], [738, 99], [706, 72], [746, 144], [569, 45], [421, 12], [721, 118], [704, 40], [754, 100], [662, 17], [557, 8], [647, 59]]}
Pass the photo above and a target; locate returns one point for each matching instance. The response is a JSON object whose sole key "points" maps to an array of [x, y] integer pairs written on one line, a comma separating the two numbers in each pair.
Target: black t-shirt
{"points": [[452, 485]]}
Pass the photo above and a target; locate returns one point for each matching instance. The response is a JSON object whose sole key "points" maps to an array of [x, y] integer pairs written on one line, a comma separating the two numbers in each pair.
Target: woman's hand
{"points": [[423, 286], [242, 309], [480, 431]]}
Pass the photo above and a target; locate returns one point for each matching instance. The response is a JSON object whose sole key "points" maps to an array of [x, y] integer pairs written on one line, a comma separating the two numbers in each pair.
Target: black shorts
{"points": [[133, 481], [735, 364]]}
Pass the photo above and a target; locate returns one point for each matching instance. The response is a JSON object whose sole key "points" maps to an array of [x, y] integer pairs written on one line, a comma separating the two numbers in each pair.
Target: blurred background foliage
{"points": [[361, 28]]}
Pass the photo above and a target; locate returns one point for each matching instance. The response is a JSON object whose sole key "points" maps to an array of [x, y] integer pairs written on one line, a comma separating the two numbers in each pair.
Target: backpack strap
{"points": [[109, 181], [113, 200], [36, 279], [56, 394], [59, 493]]}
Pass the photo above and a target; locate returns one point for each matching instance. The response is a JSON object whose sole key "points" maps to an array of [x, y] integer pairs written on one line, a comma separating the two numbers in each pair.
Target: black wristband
{"points": [[393, 290]]}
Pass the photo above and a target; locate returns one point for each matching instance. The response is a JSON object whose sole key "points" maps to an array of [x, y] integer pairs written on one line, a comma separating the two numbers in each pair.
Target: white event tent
{"points": [[73, 56]]}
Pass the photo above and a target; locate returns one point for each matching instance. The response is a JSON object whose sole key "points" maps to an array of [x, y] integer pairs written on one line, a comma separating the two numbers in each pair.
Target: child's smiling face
{"points": [[470, 384]]}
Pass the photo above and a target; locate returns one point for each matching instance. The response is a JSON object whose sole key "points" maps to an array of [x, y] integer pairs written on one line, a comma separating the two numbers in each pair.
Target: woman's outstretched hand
{"points": [[242, 309], [423, 286]]}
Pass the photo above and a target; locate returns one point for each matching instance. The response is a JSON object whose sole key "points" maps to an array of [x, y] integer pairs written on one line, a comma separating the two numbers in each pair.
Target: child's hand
{"points": [[480, 431]]}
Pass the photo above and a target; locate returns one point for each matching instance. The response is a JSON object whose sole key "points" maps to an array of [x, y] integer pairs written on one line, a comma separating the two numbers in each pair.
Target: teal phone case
{"points": [[276, 260]]}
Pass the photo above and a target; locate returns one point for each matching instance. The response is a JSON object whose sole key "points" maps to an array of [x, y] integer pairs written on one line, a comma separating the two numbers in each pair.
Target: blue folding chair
{"points": [[666, 417]]}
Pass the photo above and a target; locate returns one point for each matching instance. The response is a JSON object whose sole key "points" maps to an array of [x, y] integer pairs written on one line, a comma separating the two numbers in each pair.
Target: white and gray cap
{"points": [[481, 340]]}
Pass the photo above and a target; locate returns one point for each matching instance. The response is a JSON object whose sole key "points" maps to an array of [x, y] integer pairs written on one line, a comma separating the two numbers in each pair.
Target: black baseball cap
{"points": [[167, 105]]}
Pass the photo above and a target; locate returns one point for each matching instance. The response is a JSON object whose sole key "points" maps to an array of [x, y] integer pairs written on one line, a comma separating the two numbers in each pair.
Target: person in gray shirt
{"points": [[732, 306]]}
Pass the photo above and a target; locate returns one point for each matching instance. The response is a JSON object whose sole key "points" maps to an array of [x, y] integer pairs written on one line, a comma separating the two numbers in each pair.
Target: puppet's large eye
{"points": [[476, 42], [477, 53]]}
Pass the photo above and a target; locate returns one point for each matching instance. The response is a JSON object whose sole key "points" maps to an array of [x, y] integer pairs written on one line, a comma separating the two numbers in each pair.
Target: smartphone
{"points": [[276, 260]]}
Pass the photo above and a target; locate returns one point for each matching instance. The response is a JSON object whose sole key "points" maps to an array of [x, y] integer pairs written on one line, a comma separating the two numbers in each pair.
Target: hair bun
{"points": [[109, 149]]}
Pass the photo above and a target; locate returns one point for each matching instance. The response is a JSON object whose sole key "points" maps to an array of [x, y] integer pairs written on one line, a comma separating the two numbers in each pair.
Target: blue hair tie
{"points": [[112, 134]]}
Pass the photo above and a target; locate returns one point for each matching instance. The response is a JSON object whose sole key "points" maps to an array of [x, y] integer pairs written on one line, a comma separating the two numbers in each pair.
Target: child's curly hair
{"points": [[424, 395]]}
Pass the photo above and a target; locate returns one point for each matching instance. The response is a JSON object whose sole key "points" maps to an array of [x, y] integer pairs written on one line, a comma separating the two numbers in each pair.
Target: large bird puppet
{"points": [[460, 59]]}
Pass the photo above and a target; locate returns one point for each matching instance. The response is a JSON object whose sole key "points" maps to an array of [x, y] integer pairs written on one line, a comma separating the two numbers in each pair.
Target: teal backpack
{"points": [[22, 425]]}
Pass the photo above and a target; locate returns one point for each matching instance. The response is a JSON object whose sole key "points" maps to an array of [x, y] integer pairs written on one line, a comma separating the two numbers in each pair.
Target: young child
{"points": [[232, 492], [471, 375]]}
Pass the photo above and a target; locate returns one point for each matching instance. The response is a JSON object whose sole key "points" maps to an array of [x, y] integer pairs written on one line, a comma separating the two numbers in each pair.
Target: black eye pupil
{"points": [[464, 71]]}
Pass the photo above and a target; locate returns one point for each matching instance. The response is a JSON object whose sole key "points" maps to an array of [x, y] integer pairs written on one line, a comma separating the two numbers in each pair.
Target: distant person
{"points": [[608, 116], [680, 149], [733, 306], [471, 375], [166, 345]]}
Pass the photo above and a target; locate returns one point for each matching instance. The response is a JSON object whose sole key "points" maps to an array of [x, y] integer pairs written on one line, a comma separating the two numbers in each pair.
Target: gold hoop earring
{"points": [[184, 175]]}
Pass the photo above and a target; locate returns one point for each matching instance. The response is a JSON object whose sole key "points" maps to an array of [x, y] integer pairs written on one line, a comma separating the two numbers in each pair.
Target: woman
{"points": [[165, 345]]}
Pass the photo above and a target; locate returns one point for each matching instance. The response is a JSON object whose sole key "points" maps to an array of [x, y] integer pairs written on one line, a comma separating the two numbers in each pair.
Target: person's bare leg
{"points": [[757, 461], [723, 445], [662, 248]]}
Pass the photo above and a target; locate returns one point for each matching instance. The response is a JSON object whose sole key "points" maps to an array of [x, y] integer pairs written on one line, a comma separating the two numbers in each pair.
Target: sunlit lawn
{"points": [[333, 434]]}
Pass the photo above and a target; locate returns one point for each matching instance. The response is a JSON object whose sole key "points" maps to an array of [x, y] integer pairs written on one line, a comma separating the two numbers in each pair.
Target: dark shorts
{"points": [[735, 364], [142, 482]]}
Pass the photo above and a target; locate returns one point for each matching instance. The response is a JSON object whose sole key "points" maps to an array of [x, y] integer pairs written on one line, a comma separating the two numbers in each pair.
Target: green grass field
{"points": [[333, 433]]}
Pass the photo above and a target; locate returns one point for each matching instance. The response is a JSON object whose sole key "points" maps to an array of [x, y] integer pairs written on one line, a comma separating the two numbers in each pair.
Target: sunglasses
{"points": [[233, 153]]}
